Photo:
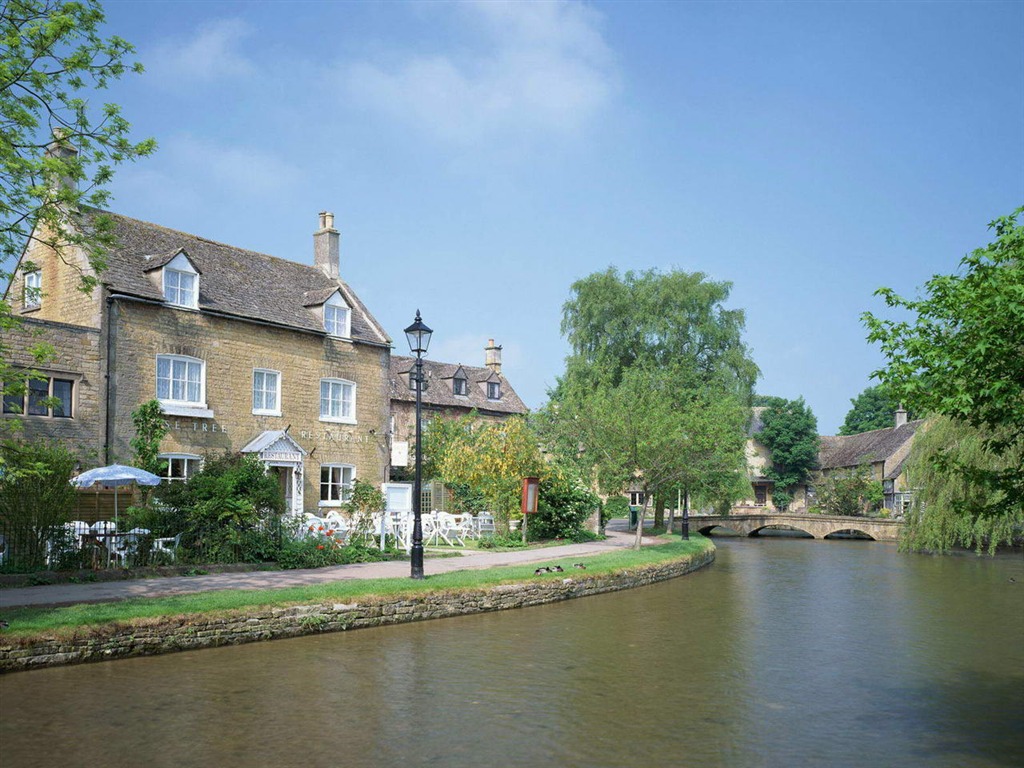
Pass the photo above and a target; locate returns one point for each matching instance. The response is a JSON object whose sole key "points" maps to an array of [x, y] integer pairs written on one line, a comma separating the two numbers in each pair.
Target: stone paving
{"points": [[99, 592]]}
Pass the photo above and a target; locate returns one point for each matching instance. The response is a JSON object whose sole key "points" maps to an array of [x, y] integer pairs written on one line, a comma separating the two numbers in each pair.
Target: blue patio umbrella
{"points": [[115, 475]]}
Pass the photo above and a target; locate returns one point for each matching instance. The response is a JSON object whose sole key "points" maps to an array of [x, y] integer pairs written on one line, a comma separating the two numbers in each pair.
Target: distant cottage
{"points": [[883, 451], [452, 390]]}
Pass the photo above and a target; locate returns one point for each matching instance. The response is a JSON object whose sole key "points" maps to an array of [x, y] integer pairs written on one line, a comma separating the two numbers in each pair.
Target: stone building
{"points": [[883, 451], [245, 352], [452, 390]]}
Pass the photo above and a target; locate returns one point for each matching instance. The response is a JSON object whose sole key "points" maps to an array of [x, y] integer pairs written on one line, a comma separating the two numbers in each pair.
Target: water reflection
{"points": [[785, 652]]}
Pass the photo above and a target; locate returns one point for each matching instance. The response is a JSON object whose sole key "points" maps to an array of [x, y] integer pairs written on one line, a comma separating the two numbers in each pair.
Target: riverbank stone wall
{"points": [[180, 633]]}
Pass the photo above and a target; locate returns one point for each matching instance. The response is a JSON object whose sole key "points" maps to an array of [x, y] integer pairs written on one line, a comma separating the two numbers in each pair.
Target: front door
{"points": [[284, 477]]}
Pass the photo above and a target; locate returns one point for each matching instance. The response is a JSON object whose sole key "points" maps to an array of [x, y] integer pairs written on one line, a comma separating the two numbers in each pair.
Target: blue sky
{"points": [[480, 157]]}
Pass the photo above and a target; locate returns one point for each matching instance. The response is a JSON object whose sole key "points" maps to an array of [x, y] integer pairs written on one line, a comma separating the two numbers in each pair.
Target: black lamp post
{"points": [[418, 335]]}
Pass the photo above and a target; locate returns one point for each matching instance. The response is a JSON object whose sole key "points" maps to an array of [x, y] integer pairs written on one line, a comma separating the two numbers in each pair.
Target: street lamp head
{"points": [[418, 335]]}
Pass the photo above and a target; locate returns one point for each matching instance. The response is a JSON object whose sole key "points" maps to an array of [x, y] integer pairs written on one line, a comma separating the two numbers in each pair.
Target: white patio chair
{"points": [[485, 523], [335, 522], [168, 546], [449, 528], [103, 526]]}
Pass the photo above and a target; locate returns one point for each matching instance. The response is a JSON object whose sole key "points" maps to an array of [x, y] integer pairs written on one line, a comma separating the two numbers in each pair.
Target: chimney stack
{"points": [[326, 246], [492, 356], [62, 149], [901, 416]]}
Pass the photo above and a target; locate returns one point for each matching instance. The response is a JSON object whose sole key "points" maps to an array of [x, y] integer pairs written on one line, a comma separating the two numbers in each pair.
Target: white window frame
{"points": [[32, 293], [180, 267], [462, 391], [342, 418], [496, 385], [637, 498], [344, 488], [335, 310], [276, 409], [200, 403], [188, 458]]}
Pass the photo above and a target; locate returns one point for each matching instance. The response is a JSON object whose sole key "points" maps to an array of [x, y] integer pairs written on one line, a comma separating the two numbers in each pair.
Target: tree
{"points": [[150, 430], [790, 432], [848, 492], [57, 150], [492, 459], [657, 389], [963, 357], [949, 508], [872, 409]]}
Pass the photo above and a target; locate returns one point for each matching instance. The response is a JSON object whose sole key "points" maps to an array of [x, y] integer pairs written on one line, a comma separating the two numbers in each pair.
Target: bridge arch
{"points": [[781, 527], [858, 531], [704, 530]]}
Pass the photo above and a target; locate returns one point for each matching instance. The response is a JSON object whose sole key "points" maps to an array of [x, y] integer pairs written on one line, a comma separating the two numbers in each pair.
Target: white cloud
{"points": [[212, 54], [234, 168], [538, 67]]}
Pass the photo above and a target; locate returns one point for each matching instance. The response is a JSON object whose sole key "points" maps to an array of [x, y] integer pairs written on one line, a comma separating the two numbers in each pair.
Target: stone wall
{"points": [[231, 349], [180, 633], [62, 297], [79, 357]]}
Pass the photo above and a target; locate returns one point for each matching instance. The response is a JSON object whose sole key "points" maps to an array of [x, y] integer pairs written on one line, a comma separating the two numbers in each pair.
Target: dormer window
{"points": [[33, 297], [460, 386], [412, 381], [494, 390], [181, 282], [337, 317]]}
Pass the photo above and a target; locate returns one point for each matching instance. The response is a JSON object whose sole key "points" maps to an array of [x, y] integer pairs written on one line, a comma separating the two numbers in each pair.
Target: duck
{"points": [[558, 569], [581, 566]]}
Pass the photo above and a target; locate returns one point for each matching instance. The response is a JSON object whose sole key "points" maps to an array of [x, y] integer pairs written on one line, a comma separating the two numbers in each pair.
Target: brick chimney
{"points": [[492, 356], [901, 417], [326, 242]]}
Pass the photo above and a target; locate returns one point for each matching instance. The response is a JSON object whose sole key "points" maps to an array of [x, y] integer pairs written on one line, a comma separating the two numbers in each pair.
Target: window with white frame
{"points": [[180, 288], [33, 295], [41, 397], [266, 392], [460, 386], [179, 467], [181, 380], [337, 401], [494, 390], [336, 483], [637, 498], [337, 317]]}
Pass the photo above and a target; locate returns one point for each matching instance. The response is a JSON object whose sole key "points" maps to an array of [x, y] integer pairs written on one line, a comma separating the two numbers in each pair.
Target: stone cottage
{"points": [[244, 351]]}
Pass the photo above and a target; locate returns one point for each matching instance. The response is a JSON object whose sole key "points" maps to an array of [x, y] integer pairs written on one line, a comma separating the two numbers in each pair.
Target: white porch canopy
{"points": [[276, 448]]}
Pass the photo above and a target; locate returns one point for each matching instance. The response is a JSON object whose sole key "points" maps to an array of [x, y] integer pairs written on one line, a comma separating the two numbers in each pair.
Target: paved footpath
{"points": [[107, 591]]}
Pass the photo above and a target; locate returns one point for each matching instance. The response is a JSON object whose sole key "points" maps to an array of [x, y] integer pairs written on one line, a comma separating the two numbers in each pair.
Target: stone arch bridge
{"points": [[818, 526]]}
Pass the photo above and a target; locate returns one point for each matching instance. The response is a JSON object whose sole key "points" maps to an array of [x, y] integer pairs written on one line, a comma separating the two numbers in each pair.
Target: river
{"points": [[785, 652]]}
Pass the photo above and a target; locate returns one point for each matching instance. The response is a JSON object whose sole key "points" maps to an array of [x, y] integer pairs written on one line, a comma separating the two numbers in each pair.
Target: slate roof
{"points": [[852, 450], [439, 390], [234, 281]]}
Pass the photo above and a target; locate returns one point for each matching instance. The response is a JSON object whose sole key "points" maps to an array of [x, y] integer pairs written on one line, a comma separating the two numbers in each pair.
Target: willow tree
{"points": [[950, 507], [656, 391]]}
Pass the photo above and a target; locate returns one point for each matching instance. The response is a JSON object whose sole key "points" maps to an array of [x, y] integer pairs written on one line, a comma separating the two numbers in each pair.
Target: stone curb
{"points": [[180, 633]]}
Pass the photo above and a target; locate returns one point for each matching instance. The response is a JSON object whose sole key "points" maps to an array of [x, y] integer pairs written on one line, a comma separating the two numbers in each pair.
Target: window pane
{"points": [[38, 391], [193, 382], [14, 403], [62, 391], [163, 378], [325, 406]]}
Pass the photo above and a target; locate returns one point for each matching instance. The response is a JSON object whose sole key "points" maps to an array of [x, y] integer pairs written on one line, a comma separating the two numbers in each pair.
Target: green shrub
{"points": [[36, 500], [322, 551], [563, 507], [502, 541], [227, 512]]}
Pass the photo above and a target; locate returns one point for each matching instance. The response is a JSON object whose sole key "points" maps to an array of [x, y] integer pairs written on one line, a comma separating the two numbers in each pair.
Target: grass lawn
{"points": [[64, 620]]}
